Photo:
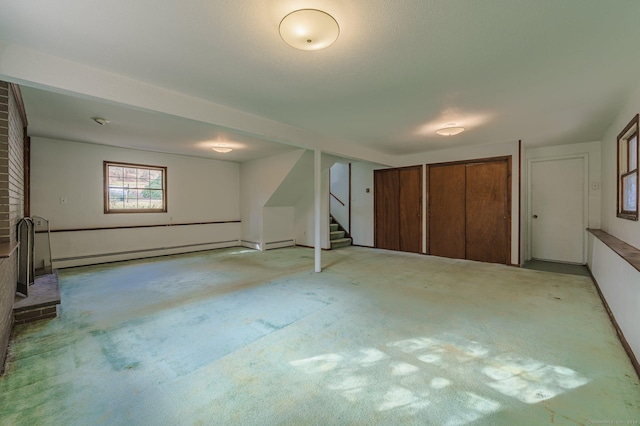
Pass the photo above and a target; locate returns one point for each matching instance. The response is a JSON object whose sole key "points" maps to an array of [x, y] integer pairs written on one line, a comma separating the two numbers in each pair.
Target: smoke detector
{"points": [[101, 121]]}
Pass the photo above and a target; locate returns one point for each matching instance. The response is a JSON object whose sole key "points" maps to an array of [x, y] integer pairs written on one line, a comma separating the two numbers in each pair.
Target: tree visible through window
{"points": [[134, 188], [628, 171]]}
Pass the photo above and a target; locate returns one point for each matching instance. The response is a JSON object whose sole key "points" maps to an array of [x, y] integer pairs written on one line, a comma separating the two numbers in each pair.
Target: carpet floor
{"points": [[237, 336], [558, 268]]}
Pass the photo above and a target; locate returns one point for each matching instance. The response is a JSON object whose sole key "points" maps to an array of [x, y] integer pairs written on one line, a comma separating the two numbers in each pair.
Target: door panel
{"points": [[557, 207], [447, 211], [487, 212], [387, 210], [410, 200]]}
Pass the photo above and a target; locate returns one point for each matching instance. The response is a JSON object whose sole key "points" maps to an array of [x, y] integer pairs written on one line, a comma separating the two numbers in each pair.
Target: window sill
{"points": [[629, 216]]}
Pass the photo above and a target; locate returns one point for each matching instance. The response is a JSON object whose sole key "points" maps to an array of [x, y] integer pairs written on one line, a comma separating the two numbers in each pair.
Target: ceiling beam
{"points": [[33, 68]]}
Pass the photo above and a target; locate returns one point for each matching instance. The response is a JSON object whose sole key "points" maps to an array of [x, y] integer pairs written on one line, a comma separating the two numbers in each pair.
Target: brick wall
{"points": [[11, 203], [4, 162], [8, 276], [16, 167]]}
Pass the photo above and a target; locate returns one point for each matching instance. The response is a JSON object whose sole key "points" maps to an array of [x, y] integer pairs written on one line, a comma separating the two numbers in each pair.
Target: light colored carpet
{"points": [[237, 336]]}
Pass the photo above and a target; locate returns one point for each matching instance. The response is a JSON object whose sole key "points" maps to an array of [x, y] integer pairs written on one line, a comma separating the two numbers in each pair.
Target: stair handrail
{"points": [[333, 195]]}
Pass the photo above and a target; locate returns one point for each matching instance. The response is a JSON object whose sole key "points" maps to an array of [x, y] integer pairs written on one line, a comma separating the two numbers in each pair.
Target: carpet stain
{"points": [[112, 354], [269, 325]]}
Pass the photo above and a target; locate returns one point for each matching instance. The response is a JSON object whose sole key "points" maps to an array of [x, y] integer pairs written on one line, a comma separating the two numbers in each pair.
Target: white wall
{"points": [[362, 202], [594, 177], [278, 225], [198, 190], [277, 200], [627, 230], [305, 216], [618, 281], [339, 186], [259, 179]]}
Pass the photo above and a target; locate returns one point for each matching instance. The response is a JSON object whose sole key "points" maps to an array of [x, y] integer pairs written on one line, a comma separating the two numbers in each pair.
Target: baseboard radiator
{"points": [[148, 252], [279, 244]]}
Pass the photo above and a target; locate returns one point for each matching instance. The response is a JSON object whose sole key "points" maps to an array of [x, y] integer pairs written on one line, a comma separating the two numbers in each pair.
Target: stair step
{"points": [[342, 242], [336, 235], [44, 295], [334, 227]]}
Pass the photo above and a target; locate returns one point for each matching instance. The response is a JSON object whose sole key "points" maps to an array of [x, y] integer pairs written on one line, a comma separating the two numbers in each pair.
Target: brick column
{"points": [[5, 231], [11, 201]]}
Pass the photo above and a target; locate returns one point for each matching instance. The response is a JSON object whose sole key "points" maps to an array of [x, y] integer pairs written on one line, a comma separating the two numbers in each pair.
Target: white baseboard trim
{"points": [[250, 244]]}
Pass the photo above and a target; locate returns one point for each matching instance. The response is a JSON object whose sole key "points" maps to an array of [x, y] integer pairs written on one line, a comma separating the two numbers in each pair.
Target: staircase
{"points": [[339, 237]]}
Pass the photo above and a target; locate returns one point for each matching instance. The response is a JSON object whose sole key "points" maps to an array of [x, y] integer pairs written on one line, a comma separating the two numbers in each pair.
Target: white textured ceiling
{"points": [[56, 116], [544, 71]]}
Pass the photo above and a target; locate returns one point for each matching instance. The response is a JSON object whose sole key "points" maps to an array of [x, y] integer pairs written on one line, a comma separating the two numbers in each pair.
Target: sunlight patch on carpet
{"points": [[446, 374]]}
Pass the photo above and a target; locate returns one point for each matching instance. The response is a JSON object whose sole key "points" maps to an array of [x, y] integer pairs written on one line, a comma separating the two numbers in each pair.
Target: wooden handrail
{"points": [[331, 193]]}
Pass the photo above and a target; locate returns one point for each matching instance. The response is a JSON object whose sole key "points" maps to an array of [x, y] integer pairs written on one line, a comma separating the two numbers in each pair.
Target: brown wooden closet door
{"points": [[387, 232], [410, 199], [487, 211], [447, 211]]}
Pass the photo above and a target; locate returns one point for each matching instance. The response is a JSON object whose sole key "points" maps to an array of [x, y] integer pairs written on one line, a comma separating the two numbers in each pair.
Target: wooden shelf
{"points": [[7, 249], [624, 250]]}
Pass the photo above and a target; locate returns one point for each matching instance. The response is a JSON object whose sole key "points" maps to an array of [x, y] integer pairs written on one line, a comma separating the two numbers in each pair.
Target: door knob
{"points": [[535, 216]]}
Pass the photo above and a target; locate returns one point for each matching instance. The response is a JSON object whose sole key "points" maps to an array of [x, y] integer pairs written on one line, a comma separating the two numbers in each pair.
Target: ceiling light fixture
{"points": [[450, 130], [222, 148], [309, 29], [101, 121]]}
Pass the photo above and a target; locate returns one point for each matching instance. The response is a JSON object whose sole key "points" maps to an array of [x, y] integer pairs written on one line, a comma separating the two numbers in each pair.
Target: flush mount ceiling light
{"points": [[222, 148], [101, 121], [450, 130], [309, 29]]}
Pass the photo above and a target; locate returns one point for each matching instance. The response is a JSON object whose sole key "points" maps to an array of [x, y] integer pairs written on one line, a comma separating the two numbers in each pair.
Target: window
{"points": [[628, 171], [134, 188]]}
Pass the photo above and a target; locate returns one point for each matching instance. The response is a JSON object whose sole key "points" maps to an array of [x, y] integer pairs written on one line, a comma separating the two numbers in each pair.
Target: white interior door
{"points": [[558, 210]]}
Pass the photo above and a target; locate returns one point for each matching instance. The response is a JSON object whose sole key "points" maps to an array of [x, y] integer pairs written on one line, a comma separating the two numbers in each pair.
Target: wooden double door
{"points": [[398, 209], [469, 210]]}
